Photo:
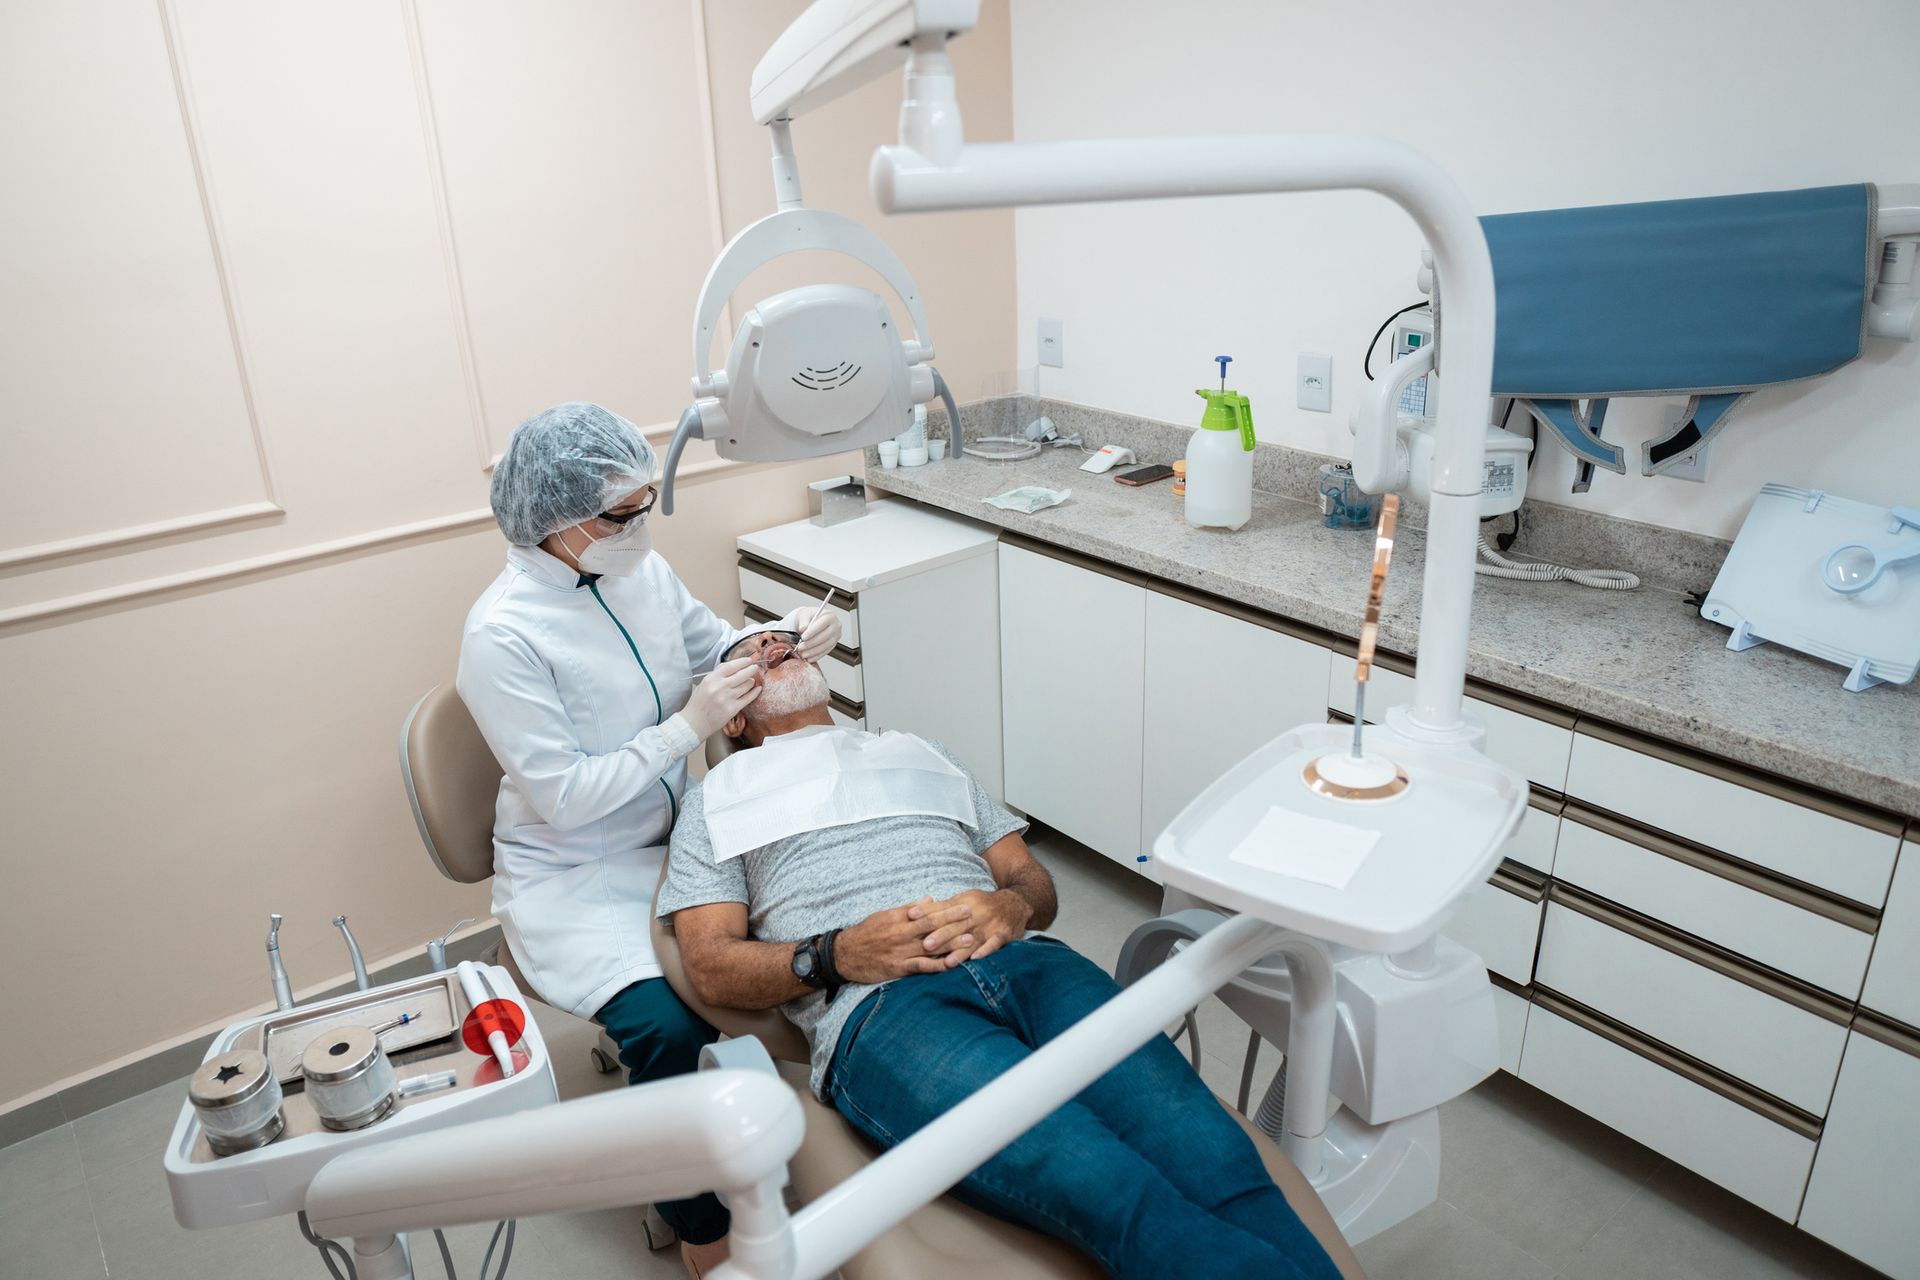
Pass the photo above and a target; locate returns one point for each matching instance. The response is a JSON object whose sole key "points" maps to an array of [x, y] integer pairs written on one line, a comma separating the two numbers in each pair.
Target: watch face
{"points": [[804, 962]]}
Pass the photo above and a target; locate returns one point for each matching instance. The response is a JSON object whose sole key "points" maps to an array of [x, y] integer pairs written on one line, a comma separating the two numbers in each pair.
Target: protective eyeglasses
{"points": [[627, 518], [768, 648]]}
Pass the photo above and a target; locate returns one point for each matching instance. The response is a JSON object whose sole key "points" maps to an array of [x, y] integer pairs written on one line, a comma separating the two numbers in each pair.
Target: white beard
{"points": [[790, 694]]}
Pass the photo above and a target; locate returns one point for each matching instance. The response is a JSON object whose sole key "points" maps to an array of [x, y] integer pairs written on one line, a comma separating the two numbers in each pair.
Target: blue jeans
{"points": [[1144, 1170], [660, 1037]]}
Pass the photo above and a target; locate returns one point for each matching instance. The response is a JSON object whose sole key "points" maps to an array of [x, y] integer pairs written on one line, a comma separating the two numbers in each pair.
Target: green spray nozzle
{"points": [[1227, 411]]}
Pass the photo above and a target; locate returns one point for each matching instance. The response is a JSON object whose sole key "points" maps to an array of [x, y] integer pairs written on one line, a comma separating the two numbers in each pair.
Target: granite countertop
{"points": [[1643, 659]]}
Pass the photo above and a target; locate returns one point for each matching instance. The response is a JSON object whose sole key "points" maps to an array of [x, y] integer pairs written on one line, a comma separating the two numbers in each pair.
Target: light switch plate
{"points": [[1052, 344], [1314, 382]]}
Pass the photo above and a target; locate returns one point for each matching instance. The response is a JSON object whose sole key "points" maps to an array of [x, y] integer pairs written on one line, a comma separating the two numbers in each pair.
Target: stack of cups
{"points": [[889, 455]]}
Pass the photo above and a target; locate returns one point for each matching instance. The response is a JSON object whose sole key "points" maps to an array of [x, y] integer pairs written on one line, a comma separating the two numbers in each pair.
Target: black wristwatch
{"points": [[809, 965], [813, 963]]}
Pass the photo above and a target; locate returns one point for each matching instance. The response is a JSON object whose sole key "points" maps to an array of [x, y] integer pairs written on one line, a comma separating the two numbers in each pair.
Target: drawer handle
{"points": [[1894, 1035], [1519, 880], [1728, 964], [1729, 868], [1688, 1067]]}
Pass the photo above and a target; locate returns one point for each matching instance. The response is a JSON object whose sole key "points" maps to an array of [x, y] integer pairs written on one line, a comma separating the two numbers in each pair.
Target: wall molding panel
{"points": [[449, 245], [30, 556], [216, 237], [296, 557]]}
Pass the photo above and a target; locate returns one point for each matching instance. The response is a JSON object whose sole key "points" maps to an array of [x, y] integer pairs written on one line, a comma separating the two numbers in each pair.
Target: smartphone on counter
{"points": [[1144, 475]]}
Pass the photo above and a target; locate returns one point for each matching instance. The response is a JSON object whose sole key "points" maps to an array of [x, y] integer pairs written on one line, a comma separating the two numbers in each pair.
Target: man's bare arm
{"points": [[1017, 871], [729, 969]]}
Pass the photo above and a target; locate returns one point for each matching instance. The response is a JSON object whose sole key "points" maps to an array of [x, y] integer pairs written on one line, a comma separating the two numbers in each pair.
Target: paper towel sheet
{"points": [[1305, 847]]}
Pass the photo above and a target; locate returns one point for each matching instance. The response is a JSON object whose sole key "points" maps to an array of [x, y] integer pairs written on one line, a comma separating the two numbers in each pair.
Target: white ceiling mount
{"points": [[839, 45]]}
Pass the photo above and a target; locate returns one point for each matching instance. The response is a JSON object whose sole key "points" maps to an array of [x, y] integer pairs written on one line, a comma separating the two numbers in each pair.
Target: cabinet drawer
{"points": [[779, 591], [1861, 1196], [1626, 1085], [1776, 1036], [1797, 834], [1533, 843], [1500, 923], [1893, 979], [1795, 932], [1532, 745]]}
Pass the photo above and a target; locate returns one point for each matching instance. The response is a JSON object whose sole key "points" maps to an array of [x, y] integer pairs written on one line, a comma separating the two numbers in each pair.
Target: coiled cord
{"points": [[1498, 566]]}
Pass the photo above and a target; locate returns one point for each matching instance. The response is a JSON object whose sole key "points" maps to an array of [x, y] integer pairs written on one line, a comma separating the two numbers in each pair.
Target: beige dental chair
{"points": [[452, 779], [945, 1234]]}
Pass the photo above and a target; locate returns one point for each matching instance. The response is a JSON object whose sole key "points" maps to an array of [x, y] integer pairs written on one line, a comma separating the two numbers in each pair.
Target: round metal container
{"points": [[238, 1101], [349, 1079]]}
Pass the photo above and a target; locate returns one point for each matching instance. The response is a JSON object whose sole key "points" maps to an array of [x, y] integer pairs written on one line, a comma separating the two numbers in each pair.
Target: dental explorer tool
{"points": [[360, 978], [437, 949], [282, 992]]}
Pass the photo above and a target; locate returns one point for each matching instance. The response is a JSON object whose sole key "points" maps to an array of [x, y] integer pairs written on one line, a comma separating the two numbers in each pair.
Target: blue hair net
{"points": [[564, 465]]}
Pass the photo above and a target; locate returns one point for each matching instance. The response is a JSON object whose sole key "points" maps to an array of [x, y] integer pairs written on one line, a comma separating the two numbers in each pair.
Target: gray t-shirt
{"points": [[806, 884]]}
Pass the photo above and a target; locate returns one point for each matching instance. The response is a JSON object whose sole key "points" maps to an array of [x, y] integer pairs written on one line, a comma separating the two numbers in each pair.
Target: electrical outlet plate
{"points": [[1314, 382], [1052, 344], [1694, 466]]}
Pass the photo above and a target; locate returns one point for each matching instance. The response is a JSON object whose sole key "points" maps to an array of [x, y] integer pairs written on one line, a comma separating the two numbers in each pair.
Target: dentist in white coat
{"points": [[578, 664]]}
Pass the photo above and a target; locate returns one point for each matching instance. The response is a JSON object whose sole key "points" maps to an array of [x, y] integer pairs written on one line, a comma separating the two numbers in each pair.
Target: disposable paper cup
{"points": [[936, 450], [889, 455]]}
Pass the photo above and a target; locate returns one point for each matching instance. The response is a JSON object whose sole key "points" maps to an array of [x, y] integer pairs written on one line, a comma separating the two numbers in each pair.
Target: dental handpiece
{"points": [[360, 978], [282, 991]]}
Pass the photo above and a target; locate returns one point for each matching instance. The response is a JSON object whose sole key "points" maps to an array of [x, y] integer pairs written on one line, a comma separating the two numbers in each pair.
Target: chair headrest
{"points": [[452, 781], [720, 746]]}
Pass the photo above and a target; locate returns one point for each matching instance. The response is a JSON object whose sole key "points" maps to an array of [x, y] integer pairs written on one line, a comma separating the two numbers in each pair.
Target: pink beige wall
{"points": [[278, 281]]}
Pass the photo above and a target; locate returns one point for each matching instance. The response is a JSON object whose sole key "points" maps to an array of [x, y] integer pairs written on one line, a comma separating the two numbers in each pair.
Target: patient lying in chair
{"points": [[868, 886]]}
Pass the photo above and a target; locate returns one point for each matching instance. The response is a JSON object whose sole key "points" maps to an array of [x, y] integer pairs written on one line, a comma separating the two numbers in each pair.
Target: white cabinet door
{"points": [[1072, 661], [1861, 1198], [932, 661], [1218, 688]]}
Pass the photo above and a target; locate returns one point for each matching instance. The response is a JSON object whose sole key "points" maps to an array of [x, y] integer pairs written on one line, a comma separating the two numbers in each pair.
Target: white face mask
{"points": [[619, 556]]}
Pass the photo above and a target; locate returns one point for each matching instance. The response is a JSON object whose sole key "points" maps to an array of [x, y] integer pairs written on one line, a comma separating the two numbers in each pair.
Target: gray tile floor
{"points": [[1530, 1190]]}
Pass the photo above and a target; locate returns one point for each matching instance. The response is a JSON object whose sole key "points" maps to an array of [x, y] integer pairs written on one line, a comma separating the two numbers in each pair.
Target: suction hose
{"points": [[955, 436], [689, 428]]}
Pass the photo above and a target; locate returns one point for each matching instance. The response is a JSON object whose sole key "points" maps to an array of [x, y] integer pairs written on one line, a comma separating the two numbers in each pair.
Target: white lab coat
{"points": [[573, 709]]}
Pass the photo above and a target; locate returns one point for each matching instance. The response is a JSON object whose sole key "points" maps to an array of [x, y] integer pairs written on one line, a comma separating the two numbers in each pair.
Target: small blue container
{"points": [[1343, 504]]}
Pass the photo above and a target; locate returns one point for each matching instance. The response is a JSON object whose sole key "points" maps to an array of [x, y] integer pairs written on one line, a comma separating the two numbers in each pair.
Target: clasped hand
{"points": [[929, 936]]}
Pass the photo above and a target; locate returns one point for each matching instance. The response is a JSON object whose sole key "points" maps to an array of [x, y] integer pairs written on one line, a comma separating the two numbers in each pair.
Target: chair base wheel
{"points": [[603, 1062]]}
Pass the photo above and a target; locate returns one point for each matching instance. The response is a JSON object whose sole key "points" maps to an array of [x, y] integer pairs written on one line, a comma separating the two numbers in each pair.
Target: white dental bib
{"points": [[825, 776]]}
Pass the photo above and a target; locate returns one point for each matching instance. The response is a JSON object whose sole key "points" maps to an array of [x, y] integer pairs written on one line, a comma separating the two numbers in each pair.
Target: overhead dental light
{"points": [[821, 368]]}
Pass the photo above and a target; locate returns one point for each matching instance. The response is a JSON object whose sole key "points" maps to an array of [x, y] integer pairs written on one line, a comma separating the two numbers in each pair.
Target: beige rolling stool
{"points": [[946, 1235], [452, 780]]}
